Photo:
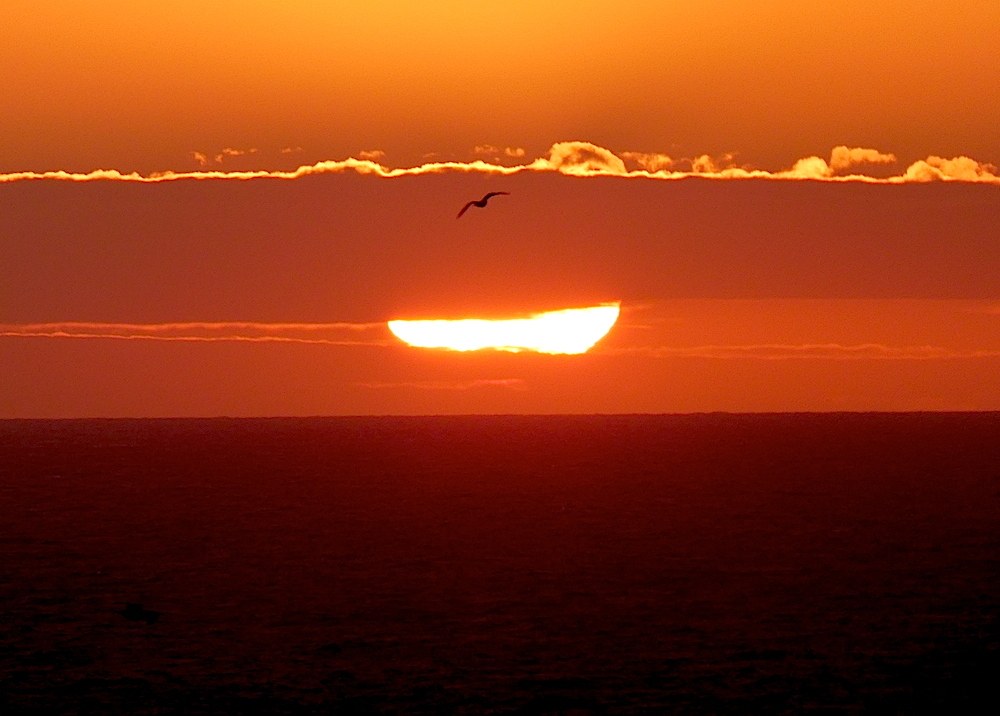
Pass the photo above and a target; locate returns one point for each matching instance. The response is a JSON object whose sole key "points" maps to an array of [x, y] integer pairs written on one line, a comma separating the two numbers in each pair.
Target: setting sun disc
{"points": [[568, 331]]}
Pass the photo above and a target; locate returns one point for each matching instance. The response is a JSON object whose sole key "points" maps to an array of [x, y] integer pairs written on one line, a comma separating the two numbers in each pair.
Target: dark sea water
{"points": [[695, 564]]}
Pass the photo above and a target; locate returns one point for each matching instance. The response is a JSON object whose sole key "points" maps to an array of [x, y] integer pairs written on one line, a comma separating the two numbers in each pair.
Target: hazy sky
{"points": [[127, 85], [796, 204]]}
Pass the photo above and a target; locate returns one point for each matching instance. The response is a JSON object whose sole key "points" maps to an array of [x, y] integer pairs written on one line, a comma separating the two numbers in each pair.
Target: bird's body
{"points": [[481, 204]]}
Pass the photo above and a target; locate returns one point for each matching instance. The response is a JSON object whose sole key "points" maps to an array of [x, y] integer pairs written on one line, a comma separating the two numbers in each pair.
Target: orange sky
{"points": [[767, 282], [138, 86]]}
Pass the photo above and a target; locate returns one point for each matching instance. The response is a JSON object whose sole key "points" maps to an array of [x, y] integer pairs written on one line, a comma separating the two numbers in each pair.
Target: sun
{"points": [[569, 331]]}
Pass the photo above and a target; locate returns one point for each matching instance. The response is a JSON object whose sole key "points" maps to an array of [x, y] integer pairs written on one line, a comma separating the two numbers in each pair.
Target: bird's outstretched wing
{"points": [[481, 203]]}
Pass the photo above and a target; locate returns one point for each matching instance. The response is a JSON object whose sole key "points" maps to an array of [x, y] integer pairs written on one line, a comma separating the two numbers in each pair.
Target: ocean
{"points": [[688, 564]]}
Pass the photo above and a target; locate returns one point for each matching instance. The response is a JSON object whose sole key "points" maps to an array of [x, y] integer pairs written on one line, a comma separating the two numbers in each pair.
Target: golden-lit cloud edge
{"points": [[583, 159]]}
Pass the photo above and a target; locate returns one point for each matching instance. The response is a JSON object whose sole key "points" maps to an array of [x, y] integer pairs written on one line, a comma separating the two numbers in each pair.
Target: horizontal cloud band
{"points": [[511, 383], [347, 334], [206, 332], [822, 351], [584, 159]]}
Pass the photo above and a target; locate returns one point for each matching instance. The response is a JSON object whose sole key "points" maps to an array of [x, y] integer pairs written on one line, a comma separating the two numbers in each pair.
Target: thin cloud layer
{"points": [[511, 383], [583, 159], [372, 334], [822, 351], [339, 334]]}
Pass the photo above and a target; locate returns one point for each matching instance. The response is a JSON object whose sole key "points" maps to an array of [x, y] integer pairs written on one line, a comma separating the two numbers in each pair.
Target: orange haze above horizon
{"points": [[140, 86]]}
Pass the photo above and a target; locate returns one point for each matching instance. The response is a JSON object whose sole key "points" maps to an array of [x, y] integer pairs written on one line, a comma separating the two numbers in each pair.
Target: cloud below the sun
{"points": [[584, 159]]}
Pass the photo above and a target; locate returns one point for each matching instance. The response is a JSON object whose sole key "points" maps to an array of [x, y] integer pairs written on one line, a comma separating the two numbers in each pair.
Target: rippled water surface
{"points": [[585, 564]]}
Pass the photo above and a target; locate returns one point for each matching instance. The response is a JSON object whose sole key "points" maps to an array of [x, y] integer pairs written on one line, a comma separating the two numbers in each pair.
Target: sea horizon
{"points": [[506, 415]]}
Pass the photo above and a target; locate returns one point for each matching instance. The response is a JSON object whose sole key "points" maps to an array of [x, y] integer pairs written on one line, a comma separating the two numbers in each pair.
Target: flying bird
{"points": [[481, 203]]}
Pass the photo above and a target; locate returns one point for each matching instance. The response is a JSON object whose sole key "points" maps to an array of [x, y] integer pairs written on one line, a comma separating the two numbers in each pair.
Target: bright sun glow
{"points": [[573, 330]]}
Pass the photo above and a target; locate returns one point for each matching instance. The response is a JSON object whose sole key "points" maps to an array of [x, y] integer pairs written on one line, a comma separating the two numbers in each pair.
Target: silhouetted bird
{"points": [[481, 203], [135, 613]]}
